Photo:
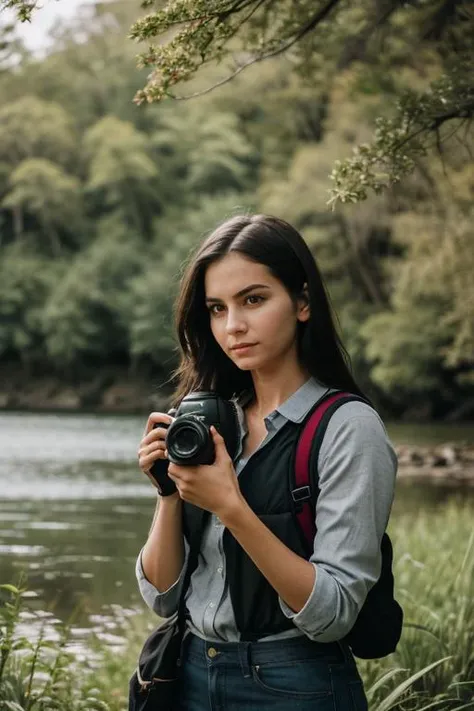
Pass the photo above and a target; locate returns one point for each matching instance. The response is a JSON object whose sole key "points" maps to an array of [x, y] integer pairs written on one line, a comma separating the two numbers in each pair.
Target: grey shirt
{"points": [[357, 467]]}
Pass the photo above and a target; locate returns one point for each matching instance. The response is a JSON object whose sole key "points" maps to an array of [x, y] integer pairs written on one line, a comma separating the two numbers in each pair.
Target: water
{"points": [[75, 509]]}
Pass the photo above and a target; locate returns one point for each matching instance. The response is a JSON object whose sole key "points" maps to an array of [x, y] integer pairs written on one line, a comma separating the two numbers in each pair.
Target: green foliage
{"points": [[40, 673], [41, 189], [335, 34], [31, 127], [25, 282], [118, 196], [120, 169], [84, 315], [399, 142], [213, 156], [183, 37], [405, 346], [433, 586]]}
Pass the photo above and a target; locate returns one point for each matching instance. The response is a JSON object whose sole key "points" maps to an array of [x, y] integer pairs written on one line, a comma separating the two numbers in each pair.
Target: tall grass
{"points": [[433, 667], [434, 573]]}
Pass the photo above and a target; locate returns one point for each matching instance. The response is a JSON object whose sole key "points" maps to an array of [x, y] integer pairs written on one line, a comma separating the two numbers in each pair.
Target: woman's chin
{"points": [[249, 363]]}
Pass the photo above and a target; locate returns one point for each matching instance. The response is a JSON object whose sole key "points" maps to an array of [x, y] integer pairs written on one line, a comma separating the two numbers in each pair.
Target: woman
{"points": [[254, 324]]}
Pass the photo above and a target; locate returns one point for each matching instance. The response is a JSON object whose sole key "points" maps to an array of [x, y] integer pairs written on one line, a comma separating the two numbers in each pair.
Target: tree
{"points": [[335, 34], [25, 283], [204, 153], [33, 128], [43, 190], [184, 37], [121, 170], [83, 317]]}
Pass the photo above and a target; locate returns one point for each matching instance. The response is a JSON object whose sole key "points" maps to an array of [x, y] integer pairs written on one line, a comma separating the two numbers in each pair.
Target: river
{"points": [[75, 509]]}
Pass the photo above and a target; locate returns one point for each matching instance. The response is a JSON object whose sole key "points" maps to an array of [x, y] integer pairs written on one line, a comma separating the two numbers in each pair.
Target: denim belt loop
{"points": [[243, 649]]}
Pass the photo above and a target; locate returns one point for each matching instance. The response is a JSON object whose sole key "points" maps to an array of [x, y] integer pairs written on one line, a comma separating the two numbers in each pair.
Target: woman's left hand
{"points": [[213, 487]]}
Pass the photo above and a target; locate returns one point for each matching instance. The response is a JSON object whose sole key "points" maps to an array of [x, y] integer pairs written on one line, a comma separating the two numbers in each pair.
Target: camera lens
{"points": [[186, 441]]}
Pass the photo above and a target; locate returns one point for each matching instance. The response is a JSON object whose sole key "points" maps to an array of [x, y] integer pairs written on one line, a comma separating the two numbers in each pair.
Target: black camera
{"points": [[189, 439]]}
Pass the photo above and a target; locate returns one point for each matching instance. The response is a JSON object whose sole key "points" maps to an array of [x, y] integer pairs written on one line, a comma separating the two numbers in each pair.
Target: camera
{"points": [[189, 440]]}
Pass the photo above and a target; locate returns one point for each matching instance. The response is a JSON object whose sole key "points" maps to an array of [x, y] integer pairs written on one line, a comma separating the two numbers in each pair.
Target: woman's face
{"points": [[248, 305]]}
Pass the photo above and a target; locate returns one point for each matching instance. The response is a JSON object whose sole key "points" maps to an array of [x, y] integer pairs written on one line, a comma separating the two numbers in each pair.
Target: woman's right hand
{"points": [[152, 445]]}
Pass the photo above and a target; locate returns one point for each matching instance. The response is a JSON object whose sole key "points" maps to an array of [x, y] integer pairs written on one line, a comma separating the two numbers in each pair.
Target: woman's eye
{"points": [[256, 299], [215, 308]]}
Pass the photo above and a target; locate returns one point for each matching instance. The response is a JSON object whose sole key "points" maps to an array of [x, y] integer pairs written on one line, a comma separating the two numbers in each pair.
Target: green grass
{"points": [[434, 573], [433, 667]]}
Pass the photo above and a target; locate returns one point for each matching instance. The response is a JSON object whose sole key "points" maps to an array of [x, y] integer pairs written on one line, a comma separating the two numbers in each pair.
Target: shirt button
{"points": [[219, 570], [211, 605], [211, 652]]}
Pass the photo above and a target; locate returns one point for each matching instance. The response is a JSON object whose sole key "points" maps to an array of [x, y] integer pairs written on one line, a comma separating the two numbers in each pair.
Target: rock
{"points": [[6, 400], [450, 455], [437, 460], [67, 399], [416, 458]]}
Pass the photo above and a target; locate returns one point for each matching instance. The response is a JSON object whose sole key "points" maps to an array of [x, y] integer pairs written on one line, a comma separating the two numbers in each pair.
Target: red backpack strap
{"points": [[302, 495]]}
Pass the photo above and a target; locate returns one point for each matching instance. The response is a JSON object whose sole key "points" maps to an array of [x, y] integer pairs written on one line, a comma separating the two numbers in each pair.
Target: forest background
{"points": [[101, 202]]}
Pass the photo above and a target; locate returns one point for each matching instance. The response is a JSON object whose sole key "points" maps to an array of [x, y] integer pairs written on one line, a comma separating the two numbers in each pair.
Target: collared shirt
{"points": [[356, 469]]}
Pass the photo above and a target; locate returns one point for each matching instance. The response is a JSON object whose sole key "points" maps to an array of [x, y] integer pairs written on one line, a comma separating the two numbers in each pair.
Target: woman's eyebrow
{"points": [[242, 292]]}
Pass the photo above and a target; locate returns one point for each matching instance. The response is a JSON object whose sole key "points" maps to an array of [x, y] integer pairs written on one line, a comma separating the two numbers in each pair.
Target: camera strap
{"points": [[194, 546]]}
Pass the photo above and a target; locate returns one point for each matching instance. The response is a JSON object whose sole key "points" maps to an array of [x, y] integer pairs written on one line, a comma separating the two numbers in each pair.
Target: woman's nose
{"points": [[235, 323]]}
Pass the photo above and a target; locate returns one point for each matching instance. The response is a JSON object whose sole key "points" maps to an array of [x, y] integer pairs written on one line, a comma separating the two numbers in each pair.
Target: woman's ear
{"points": [[303, 312]]}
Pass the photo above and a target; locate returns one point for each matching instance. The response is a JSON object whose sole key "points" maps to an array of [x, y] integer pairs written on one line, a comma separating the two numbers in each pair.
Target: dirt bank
{"points": [[112, 389], [446, 463]]}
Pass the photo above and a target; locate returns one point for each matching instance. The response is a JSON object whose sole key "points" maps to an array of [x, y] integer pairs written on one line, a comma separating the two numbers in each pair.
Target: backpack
{"points": [[378, 627]]}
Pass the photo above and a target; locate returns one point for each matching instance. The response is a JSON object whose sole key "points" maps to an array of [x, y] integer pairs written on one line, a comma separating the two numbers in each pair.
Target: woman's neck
{"points": [[272, 389]]}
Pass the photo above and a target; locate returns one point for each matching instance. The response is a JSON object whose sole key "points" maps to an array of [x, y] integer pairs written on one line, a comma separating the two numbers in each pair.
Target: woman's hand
{"points": [[152, 446], [213, 487]]}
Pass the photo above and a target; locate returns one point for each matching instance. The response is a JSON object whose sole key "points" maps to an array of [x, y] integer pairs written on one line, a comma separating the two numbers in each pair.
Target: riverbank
{"points": [[109, 390], [448, 463]]}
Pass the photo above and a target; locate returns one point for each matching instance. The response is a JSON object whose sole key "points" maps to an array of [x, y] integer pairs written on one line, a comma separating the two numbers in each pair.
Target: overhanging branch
{"points": [[308, 27]]}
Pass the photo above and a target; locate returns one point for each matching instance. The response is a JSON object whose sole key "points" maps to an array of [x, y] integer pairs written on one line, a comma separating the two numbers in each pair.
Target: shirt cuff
{"points": [[311, 619], [164, 604]]}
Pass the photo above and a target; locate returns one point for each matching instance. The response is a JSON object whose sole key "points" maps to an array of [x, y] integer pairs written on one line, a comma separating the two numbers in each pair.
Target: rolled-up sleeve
{"points": [[164, 604], [357, 469]]}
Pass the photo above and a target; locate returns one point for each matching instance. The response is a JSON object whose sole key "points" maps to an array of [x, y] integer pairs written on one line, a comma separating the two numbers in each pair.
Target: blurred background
{"points": [[101, 201]]}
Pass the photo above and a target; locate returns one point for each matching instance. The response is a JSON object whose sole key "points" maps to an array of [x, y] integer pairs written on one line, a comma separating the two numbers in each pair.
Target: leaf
{"points": [[383, 680], [10, 588], [395, 695]]}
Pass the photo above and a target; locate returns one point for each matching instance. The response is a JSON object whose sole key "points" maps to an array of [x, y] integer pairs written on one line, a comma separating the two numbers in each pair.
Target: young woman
{"points": [[266, 625]]}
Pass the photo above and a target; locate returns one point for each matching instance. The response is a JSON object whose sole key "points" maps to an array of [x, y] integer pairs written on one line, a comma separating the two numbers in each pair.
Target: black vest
{"points": [[265, 484]]}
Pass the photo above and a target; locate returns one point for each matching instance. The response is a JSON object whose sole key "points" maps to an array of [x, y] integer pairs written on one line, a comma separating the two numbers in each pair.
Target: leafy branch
{"points": [[401, 140]]}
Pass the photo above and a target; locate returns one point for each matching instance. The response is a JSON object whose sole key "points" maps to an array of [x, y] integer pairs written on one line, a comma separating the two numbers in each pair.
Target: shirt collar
{"points": [[295, 408]]}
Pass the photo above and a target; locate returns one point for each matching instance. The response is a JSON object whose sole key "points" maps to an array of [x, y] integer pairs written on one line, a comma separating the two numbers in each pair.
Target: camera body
{"points": [[189, 440]]}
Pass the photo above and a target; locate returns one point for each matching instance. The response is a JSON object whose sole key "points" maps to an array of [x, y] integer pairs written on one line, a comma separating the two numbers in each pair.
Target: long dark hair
{"points": [[277, 245]]}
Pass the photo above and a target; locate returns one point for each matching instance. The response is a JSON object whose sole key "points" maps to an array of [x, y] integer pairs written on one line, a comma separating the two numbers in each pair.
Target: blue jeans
{"points": [[294, 674]]}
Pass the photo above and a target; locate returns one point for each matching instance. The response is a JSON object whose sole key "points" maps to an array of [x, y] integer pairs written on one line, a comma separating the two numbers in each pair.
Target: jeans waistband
{"points": [[247, 654]]}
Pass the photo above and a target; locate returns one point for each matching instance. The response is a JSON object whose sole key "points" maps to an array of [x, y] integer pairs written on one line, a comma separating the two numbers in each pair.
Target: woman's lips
{"points": [[243, 348]]}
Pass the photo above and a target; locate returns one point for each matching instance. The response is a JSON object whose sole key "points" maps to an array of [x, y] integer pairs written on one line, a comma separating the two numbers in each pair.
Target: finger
{"points": [[153, 447], [155, 418], [157, 433], [219, 443], [147, 461], [179, 473]]}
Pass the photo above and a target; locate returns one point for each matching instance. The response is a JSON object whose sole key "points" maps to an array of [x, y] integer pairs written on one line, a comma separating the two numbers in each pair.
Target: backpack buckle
{"points": [[301, 494]]}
